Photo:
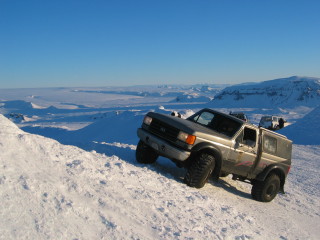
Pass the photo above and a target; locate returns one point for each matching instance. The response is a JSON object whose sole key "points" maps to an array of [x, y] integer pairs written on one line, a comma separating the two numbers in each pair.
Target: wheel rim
{"points": [[271, 190]]}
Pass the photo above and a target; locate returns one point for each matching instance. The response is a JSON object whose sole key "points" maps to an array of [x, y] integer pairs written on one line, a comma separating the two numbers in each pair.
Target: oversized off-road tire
{"points": [[200, 170], [267, 190], [145, 154]]}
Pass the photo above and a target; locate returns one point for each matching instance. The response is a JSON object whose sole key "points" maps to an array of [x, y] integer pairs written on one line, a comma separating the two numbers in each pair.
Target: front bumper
{"points": [[162, 147]]}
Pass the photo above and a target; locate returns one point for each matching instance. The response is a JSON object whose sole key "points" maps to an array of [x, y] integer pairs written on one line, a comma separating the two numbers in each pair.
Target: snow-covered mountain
{"points": [[285, 92]]}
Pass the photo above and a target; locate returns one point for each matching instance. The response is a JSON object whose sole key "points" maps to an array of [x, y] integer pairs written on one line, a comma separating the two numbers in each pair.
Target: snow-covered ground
{"points": [[55, 191], [80, 179]]}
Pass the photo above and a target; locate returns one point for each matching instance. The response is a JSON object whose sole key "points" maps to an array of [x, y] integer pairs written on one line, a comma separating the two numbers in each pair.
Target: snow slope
{"points": [[55, 191], [306, 130]]}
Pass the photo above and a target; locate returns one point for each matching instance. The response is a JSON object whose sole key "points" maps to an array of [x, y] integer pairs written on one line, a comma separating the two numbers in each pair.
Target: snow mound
{"points": [[306, 130]]}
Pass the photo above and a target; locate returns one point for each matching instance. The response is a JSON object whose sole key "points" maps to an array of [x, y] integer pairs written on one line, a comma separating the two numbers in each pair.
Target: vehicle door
{"points": [[243, 154]]}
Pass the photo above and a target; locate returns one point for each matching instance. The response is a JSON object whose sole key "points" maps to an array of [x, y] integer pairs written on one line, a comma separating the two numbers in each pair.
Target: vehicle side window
{"points": [[250, 137], [269, 144]]}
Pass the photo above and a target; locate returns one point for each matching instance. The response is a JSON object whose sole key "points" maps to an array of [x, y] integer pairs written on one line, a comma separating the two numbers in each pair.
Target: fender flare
{"points": [[215, 151], [276, 168]]}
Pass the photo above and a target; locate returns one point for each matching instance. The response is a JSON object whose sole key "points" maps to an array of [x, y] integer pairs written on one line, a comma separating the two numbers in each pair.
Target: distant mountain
{"points": [[285, 92], [192, 97], [199, 93]]}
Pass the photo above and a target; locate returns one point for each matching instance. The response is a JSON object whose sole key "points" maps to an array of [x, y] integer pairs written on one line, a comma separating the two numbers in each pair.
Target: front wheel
{"points": [[200, 170], [266, 191], [145, 154]]}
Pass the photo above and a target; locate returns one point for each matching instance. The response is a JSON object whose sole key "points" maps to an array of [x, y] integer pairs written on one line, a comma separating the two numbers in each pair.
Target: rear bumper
{"points": [[162, 147]]}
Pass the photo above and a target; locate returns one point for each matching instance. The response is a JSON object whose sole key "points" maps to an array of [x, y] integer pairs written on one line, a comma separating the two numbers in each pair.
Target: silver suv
{"points": [[213, 143], [272, 122]]}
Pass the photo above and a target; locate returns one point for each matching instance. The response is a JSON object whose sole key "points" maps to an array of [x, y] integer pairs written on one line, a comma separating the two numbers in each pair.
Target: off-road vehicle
{"points": [[211, 143], [271, 122]]}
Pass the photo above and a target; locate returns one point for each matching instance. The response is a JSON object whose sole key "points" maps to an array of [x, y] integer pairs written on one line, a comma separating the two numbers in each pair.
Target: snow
{"points": [[55, 191], [306, 130], [80, 179]]}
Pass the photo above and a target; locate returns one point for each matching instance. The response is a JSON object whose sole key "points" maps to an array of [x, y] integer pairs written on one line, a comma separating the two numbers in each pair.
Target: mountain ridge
{"points": [[283, 92]]}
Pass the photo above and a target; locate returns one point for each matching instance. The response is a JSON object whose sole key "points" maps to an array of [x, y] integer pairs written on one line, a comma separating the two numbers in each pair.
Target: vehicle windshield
{"points": [[216, 122]]}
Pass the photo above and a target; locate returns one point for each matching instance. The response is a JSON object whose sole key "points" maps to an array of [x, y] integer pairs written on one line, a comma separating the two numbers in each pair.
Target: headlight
{"points": [[147, 120], [187, 138]]}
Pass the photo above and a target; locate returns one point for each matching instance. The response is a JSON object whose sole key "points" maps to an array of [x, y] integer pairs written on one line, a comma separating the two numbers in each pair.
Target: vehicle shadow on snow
{"points": [[229, 187]]}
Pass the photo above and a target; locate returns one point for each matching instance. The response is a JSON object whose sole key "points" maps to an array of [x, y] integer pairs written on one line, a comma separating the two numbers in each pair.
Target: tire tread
{"points": [[200, 170]]}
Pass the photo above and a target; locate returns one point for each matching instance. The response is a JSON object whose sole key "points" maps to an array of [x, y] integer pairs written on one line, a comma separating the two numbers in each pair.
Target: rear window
{"points": [[277, 146], [269, 144]]}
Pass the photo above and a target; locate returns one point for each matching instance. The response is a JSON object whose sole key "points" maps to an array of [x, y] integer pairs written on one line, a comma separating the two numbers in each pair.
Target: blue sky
{"points": [[104, 43]]}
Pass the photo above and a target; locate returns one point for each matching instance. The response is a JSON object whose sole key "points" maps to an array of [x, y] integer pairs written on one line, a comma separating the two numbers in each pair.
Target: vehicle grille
{"points": [[163, 130]]}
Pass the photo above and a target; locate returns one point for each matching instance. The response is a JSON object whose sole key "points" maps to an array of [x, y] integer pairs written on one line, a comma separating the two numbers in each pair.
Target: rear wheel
{"points": [[145, 154], [200, 170], [267, 190]]}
